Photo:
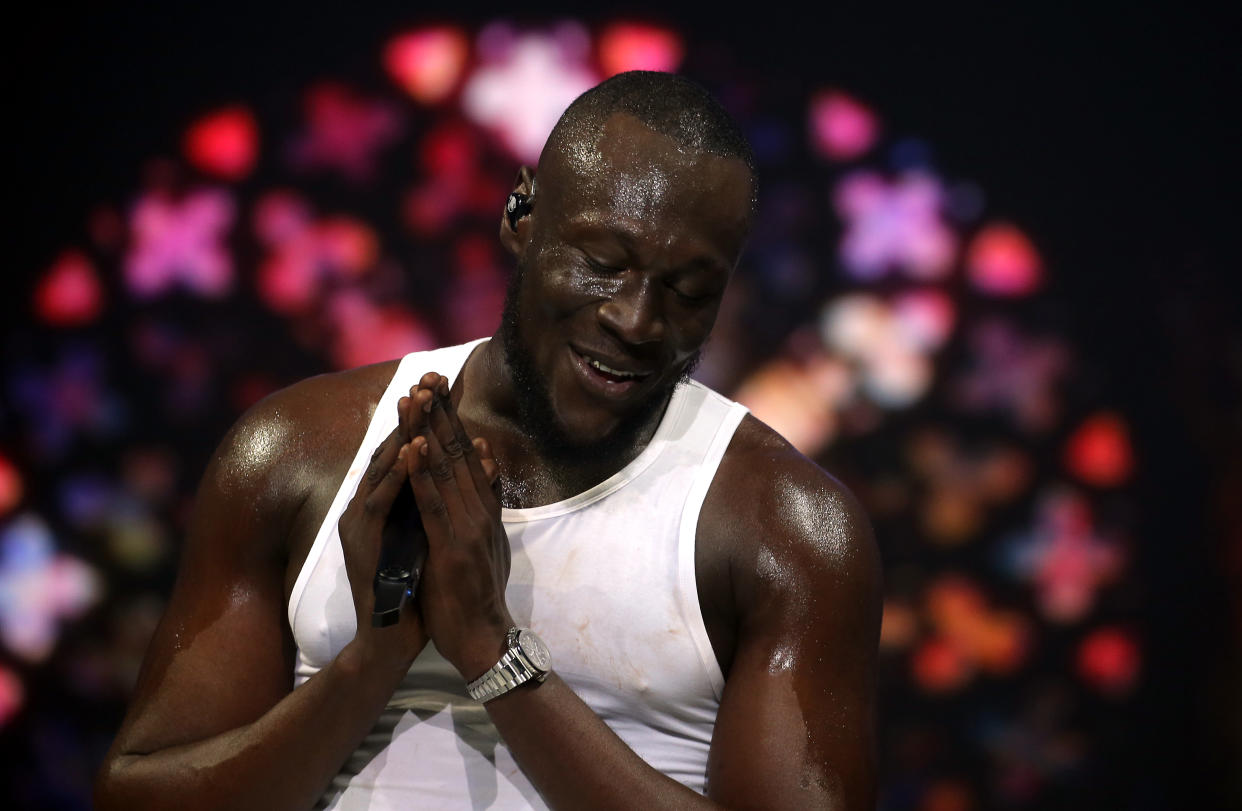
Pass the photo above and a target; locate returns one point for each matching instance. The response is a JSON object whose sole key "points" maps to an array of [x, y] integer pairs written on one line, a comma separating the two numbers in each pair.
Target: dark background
{"points": [[1106, 132]]}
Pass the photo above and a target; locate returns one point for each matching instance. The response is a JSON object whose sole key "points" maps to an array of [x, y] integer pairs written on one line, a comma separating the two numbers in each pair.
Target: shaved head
{"points": [[666, 103]]}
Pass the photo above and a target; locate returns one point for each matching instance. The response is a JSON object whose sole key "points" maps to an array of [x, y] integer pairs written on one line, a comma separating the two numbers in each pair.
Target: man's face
{"points": [[627, 253]]}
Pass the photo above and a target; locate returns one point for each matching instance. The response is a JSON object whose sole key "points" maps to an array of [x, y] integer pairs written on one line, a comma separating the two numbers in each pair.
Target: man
{"points": [[709, 597]]}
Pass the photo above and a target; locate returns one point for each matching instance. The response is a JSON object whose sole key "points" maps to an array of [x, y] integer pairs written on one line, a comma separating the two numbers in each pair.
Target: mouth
{"points": [[603, 379]]}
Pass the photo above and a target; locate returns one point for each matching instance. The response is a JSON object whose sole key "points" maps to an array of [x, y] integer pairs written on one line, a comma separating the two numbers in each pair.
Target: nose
{"points": [[633, 312]]}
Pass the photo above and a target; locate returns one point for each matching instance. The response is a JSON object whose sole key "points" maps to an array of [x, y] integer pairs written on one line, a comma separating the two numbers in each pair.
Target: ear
{"points": [[514, 238]]}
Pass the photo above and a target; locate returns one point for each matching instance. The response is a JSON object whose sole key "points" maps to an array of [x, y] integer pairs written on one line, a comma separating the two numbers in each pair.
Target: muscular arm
{"points": [[795, 726], [797, 720], [214, 722]]}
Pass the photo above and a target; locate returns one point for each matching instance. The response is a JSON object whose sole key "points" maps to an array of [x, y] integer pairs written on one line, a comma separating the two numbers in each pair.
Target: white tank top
{"points": [[605, 577]]}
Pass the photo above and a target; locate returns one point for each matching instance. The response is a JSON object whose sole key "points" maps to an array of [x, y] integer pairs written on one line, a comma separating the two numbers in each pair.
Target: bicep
{"points": [[796, 725], [222, 654]]}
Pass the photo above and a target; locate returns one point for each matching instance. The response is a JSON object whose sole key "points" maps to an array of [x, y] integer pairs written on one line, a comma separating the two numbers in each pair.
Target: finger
{"points": [[412, 411], [448, 471], [431, 506], [378, 503], [382, 459], [472, 479]]}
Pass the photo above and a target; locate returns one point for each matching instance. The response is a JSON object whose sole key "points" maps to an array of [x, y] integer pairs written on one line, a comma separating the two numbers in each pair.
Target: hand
{"points": [[363, 524], [462, 593]]}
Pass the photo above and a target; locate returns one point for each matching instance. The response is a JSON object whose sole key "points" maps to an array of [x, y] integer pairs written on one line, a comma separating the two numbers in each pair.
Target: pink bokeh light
{"points": [[181, 241], [365, 333], [345, 132], [428, 63], [39, 587], [1002, 261], [304, 252], [894, 225], [842, 128], [1065, 558], [525, 82]]}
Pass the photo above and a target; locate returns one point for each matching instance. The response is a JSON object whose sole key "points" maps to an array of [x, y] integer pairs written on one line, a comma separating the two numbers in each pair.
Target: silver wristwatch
{"points": [[525, 658]]}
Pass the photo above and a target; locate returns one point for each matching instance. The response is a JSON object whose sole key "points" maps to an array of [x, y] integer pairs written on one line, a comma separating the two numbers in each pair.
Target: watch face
{"points": [[534, 650]]}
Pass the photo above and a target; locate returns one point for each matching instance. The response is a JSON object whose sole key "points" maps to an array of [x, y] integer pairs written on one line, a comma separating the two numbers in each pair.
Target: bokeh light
{"points": [[883, 319], [842, 128], [638, 46], [69, 294], [1099, 452], [224, 143], [428, 63]]}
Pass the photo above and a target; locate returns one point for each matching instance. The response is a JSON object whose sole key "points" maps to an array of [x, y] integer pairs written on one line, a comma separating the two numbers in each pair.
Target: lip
{"points": [[597, 383]]}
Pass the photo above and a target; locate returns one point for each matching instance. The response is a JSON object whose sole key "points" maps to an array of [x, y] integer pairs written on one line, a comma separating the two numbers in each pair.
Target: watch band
{"points": [[526, 658]]}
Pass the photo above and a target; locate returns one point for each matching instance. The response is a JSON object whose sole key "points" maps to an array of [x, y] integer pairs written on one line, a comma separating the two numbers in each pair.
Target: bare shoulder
{"points": [[279, 449], [788, 528], [806, 513]]}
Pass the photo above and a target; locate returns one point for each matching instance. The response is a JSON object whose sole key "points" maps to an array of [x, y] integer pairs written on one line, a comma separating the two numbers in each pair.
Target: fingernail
{"points": [[401, 454]]}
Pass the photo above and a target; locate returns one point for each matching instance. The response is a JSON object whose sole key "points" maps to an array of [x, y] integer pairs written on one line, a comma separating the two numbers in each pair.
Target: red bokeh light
{"points": [[1099, 451], [1002, 261], [639, 46], [69, 294], [1108, 659], [224, 143], [427, 63], [12, 695], [939, 666], [10, 486]]}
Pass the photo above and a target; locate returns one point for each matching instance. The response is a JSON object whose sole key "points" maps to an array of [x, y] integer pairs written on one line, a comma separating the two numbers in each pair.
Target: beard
{"points": [[536, 413]]}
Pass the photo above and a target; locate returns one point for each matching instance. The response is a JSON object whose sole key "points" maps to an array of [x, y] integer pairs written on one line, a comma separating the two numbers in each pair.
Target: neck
{"points": [[487, 402]]}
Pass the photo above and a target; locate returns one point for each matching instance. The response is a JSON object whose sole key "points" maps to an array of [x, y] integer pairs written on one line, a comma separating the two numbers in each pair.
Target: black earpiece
{"points": [[516, 207]]}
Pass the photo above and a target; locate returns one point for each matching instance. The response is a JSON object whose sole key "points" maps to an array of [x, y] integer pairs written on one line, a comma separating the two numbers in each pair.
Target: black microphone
{"points": [[403, 550]]}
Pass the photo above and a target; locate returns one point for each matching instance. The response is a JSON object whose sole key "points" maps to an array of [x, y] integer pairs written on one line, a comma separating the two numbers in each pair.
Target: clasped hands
{"points": [[460, 597]]}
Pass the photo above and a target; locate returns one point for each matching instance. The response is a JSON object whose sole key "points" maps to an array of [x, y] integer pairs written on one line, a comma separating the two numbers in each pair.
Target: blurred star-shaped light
{"points": [[889, 342], [427, 63], [304, 252], [345, 132], [224, 143], [181, 242], [1063, 557], [69, 294], [1012, 372], [521, 92], [894, 225], [39, 588], [639, 46], [841, 127]]}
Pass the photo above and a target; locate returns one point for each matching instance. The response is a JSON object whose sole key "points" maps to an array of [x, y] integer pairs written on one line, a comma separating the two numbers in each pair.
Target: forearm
{"points": [[284, 759], [575, 760]]}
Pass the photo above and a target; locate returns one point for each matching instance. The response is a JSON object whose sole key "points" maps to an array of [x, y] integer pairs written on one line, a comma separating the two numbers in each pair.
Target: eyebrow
{"points": [[709, 261]]}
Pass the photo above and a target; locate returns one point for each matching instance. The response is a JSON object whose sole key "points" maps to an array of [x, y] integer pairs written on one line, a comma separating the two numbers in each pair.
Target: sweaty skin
{"points": [[788, 573]]}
